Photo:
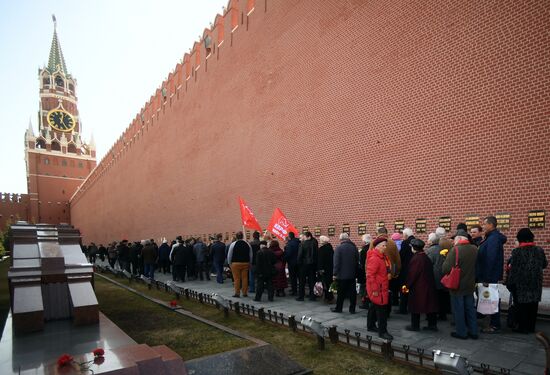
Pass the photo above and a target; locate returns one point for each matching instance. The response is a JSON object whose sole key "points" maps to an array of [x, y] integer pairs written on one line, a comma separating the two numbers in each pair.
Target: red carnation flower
{"points": [[173, 303], [98, 352], [64, 360]]}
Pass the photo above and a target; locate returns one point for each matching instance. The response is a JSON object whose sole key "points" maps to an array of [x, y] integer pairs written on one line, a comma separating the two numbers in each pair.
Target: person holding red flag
{"points": [[247, 217]]}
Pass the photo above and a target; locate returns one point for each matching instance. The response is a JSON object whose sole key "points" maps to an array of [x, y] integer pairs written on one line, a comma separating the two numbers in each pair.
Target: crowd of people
{"points": [[389, 270]]}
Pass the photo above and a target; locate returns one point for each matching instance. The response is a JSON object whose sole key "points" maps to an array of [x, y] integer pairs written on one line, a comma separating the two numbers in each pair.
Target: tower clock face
{"points": [[61, 120]]}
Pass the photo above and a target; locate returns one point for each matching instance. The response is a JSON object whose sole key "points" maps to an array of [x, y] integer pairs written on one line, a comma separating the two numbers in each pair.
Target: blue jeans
{"points": [[465, 315], [251, 281], [218, 266], [149, 271]]}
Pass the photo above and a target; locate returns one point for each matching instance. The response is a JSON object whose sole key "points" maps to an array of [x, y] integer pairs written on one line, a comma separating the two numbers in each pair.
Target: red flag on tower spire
{"points": [[247, 217]]}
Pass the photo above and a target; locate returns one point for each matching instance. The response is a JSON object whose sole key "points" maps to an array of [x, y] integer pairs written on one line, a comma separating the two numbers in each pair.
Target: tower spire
{"points": [[56, 60]]}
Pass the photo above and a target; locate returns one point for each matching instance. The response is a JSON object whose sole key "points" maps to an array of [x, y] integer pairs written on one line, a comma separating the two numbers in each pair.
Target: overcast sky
{"points": [[119, 51]]}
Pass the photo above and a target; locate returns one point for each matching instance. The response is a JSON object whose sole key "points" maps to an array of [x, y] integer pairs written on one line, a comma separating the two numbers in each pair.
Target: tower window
{"points": [[46, 161], [59, 81], [56, 146], [80, 165], [41, 144], [71, 87], [46, 81], [64, 163], [71, 148]]}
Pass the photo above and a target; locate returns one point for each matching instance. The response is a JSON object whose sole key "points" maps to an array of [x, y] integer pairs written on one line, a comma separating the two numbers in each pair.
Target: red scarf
{"points": [[525, 244], [463, 242]]}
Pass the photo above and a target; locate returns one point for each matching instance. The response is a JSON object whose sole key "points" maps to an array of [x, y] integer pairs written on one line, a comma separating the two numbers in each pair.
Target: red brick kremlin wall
{"points": [[338, 112]]}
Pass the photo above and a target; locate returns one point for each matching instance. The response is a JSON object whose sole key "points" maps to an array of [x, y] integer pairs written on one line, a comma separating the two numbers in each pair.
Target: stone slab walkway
{"points": [[521, 354]]}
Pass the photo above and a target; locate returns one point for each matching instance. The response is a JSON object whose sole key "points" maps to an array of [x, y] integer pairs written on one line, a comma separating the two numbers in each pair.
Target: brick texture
{"points": [[338, 112]]}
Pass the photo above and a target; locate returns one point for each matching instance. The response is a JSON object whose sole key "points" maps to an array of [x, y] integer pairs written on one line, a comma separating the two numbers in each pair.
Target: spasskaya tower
{"points": [[57, 158]]}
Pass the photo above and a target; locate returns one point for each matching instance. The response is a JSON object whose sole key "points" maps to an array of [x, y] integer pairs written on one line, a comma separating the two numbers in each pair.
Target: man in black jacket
{"points": [[307, 263], [123, 252], [218, 257], [346, 262], [255, 244], [265, 270], [291, 259]]}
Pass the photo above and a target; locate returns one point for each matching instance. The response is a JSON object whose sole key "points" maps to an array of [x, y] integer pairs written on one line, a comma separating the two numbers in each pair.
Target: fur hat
{"points": [[379, 240]]}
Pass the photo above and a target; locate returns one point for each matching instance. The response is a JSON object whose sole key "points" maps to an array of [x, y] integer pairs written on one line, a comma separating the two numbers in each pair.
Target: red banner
{"points": [[280, 226], [248, 218]]}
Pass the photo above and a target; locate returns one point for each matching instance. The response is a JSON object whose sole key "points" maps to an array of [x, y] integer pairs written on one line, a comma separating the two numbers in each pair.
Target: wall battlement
{"points": [[237, 16]]}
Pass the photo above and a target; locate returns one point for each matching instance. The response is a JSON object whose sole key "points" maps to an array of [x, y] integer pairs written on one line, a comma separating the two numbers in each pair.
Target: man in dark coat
{"points": [[201, 255], [307, 263], [421, 288], [346, 263], [92, 252], [406, 255], [218, 257], [490, 263], [164, 257], [149, 255], [123, 252], [255, 244], [177, 257], [190, 259], [462, 299], [135, 257], [265, 269], [291, 259]]}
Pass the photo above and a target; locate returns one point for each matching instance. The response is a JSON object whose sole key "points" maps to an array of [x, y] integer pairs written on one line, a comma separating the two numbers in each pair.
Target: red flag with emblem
{"points": [[247, 217], [280, 226]]}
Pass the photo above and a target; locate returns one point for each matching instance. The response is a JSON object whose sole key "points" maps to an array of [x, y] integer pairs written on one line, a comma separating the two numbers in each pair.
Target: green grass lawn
{"points": [[147, 322], [335, 359]]}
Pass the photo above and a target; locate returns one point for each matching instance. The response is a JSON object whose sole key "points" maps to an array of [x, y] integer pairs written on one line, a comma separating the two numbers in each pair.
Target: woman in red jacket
{"points": [[378, 276]]}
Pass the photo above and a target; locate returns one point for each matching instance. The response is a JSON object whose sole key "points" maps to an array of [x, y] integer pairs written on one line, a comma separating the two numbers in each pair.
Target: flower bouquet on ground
{"points": [[68, 361]]}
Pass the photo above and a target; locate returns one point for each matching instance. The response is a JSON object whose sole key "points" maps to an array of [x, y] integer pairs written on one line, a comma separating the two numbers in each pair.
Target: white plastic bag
{"points": [[318, 289], [487, 299]]}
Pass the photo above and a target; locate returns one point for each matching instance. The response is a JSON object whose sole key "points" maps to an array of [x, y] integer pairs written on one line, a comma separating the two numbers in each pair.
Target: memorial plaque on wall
{"points": [[445, 222], [399, 225], [503, 220], [331, 230], [305, 228], [247, 235], [471, 220], [380, 224], [232, 235], [346, 229], [317, 231], [227, 236], [536, 219], [421, 225], [362, 229]]}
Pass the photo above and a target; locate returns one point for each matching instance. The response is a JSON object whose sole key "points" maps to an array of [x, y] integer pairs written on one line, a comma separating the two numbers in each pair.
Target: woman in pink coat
{"points": [[378, 276]]}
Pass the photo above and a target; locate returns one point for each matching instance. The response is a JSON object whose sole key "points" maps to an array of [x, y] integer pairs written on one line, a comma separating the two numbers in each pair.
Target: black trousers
{"points": [[178, 272], [307, 272], [394, 289], [293, 275], [346, 288], [203, 269], [164, 265], [112, 262], [327, 280], [378, 314], [444, 302], [261, 284], [135, 267], [527, 316], [432, 320]]}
